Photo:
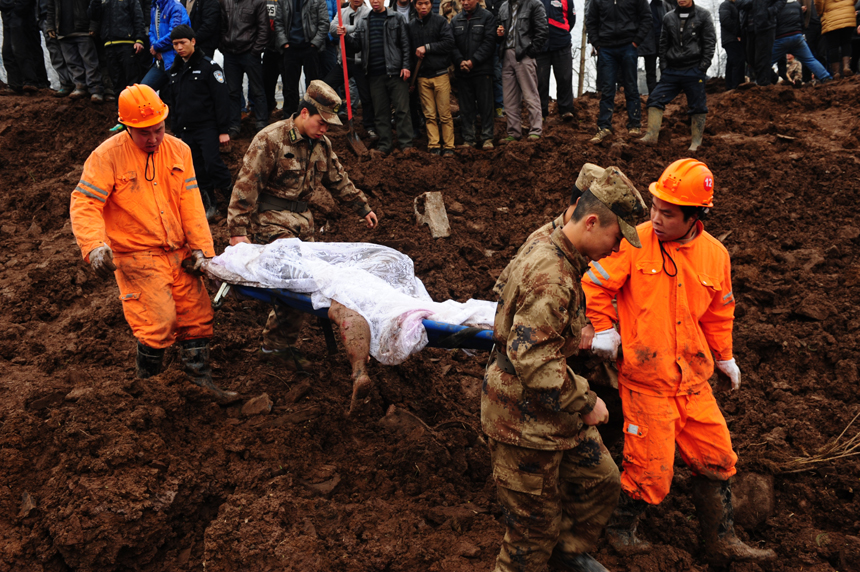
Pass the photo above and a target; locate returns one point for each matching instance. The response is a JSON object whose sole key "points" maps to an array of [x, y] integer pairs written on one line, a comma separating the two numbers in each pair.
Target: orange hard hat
{"points": [[685, 182], [140, 106]]}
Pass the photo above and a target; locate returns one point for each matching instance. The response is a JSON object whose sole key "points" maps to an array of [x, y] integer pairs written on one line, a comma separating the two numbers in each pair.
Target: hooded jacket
{"points": [[166, 15], [395, 42], [692, 48], [614, 23], [530, 26], [120, 21], [315, 22]]}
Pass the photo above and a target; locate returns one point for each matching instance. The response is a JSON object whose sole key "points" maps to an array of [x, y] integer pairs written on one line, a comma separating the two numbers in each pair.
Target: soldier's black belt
{"points": [[504, 363], [268, 202]]}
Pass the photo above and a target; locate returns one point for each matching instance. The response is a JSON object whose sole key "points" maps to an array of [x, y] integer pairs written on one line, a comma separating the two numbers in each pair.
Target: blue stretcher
{"points": [[439, 334]]}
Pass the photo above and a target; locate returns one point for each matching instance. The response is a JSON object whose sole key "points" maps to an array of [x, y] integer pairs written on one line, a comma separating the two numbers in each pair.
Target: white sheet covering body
{"points": [[376, 281]]}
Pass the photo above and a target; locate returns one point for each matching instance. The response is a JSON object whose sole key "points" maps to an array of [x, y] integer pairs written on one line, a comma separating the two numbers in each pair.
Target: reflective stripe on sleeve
{"points": [[600, 269], [594, 278], [194, 186], [88, 194], [93, 187]]}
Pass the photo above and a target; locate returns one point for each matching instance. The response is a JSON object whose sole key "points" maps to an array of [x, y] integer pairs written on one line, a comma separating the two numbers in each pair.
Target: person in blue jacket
{"points": [[165, 15]]}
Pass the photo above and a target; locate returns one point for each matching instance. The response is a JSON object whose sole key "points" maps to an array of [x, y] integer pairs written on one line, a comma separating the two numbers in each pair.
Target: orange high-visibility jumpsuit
{"points": [[152, 217], [675, 311]]}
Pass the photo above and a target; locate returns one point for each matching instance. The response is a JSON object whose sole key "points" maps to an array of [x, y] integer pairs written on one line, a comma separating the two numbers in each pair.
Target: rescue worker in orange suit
{"points": [[675, 313], [137, 215]]}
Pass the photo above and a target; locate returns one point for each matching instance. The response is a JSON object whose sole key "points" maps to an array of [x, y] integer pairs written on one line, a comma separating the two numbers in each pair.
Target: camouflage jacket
{"points": [[543, 233], [282, 163], [538, 323]]}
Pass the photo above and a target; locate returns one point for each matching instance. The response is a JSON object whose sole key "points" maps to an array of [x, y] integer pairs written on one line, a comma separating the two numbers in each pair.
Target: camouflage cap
{"points": [[325, 99], [616, 191], [587, 175]]}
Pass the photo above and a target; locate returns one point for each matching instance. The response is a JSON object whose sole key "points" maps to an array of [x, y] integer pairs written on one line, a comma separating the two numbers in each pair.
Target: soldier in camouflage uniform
{"points": [[281, 168], [556, 481]]}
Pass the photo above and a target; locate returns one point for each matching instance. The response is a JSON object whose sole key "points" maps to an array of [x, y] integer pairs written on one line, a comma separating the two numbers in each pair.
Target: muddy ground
{"points": [[103, 472]]}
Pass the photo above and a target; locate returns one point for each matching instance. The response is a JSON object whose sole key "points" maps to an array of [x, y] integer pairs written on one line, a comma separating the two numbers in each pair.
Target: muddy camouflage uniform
{"points": [[556, 481], [279, 173]]}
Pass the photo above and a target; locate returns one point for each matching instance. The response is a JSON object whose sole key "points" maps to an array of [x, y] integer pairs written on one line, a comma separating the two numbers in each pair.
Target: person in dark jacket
{"points": [[382, 40], [244, 35], [55, 51], [122, 29], [200, 111], [561, 17], [22, 48], [431, 38], [789, 40], [761, 29], [273, 60], [522, 32], [205, 17], [616, 29], [68, 21], [687, 45], [730, 34], [474, 47], [648, 48], [301, 28], [812, 34]]}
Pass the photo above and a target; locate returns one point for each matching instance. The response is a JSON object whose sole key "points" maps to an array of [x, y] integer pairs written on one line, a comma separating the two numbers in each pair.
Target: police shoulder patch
{"points": [[219, 76]]}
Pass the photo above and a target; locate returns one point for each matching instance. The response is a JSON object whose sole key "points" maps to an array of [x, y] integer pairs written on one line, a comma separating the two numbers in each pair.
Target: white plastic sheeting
{"points": [[376, 281]]}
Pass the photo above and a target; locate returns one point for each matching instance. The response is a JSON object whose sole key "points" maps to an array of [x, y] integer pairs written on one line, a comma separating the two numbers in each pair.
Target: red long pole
{"points": [[343, 60]]}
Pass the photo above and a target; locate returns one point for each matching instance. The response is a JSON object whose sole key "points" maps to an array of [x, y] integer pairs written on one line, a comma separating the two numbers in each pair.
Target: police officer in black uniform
{"points": [[200, 112]]}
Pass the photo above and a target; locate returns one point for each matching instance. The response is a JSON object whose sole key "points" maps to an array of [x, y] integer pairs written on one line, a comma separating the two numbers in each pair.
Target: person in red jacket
{"points": [[137, 215], [675, 312]]}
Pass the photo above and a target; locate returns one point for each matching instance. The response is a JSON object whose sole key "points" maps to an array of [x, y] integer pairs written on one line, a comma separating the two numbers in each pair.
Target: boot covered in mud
{"points": [[195, 361], [846, 67], [697, 129], [655, 121], [835, 70], [713, 500], [149, 361], [621, 528]]}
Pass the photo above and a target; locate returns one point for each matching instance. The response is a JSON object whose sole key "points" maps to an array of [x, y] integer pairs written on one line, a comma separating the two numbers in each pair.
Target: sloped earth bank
{"points": [[102, 472]]}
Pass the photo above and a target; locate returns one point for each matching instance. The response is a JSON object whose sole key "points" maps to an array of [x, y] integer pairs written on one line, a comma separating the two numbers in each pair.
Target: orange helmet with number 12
{"points": [[685, 182]]}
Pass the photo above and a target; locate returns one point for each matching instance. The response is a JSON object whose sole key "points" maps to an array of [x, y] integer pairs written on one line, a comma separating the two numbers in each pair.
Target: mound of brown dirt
{"points": [[103, 472]]}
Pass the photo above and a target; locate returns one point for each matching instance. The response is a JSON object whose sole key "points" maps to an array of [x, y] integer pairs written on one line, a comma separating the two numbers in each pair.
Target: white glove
{"points": [[731, 369], [199, 258], [605, 344], [101, 259]]}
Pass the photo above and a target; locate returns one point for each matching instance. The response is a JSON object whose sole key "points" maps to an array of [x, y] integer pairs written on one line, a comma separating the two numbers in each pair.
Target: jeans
{"points": [[519, 82], [83, 61], [155, 77], [235, 67], [435, 96], [672, 82], [387, 91], [295, 59], [734, 64], [561, 62], [614, 65], [796, 46], [335, 80], [498, 93], [476, 98]]}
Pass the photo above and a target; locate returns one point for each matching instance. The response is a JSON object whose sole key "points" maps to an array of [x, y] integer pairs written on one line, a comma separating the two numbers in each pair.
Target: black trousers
{"points": [[295, 59], [335, 80], [211, 171], [476, 98], [389, 91], [763, 52], [22, 52], [734, 64], [121, 66], [272, 62], [561, 62]]}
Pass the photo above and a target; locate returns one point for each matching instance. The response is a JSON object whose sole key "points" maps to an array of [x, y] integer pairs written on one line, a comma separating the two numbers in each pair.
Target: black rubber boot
{"points": [[713, 500], [195, 360], [148, 361], [581, 562], [621, 528]]}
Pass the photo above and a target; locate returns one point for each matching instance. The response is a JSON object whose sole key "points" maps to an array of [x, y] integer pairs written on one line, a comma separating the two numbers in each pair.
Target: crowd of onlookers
{"points": [[405, 58]]}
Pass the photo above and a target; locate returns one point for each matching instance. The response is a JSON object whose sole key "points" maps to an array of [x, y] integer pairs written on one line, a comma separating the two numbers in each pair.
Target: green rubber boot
{"points": [[655, 120]]}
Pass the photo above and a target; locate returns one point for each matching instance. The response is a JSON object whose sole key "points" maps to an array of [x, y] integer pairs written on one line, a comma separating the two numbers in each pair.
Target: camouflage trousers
{"points": [[552, 500], [284, 325]]}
